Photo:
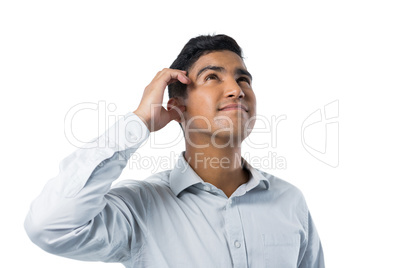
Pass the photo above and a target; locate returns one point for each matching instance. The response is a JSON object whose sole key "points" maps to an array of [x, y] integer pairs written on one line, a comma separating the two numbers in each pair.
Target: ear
{"points": [[176, 106]]}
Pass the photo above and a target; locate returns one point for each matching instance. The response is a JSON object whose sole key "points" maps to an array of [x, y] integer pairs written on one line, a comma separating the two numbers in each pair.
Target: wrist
{"points": [[144, 118]]}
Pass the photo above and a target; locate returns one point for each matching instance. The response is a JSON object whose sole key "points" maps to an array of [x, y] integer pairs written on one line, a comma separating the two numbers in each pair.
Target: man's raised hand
{"points": [[150, 109]]}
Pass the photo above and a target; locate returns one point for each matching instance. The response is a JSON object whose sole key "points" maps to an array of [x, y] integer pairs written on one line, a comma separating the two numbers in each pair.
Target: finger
{"points": [[169, 76], [183, 79]]}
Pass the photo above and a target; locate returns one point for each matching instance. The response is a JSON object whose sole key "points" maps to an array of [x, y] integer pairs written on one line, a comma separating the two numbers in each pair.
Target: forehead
{"points": [[226, 59]]}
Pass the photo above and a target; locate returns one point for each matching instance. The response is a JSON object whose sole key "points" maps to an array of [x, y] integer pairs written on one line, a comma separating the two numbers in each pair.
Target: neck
{"points": [[222, 167]]}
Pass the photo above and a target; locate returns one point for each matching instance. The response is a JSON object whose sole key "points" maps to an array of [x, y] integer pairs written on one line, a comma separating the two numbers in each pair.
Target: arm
{"points": [[72, 216], [75, 216]]}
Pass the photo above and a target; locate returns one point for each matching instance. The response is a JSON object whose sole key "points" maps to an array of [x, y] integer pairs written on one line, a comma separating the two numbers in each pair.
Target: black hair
{"points": [[193, 50]]}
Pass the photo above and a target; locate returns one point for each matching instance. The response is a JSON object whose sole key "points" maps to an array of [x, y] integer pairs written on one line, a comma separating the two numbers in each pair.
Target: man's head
{"points": [[219, 102], [193, 50]]}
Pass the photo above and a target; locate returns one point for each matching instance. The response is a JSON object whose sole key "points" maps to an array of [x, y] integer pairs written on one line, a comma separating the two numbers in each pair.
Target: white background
{"points": [[302, 54]]}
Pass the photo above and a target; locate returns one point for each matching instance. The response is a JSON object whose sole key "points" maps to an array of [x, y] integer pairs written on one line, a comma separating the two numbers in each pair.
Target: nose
{"points": [[233, 90]]}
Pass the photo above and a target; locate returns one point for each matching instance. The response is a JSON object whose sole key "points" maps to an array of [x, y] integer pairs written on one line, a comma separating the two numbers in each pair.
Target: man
{"points": [[212, 210]]}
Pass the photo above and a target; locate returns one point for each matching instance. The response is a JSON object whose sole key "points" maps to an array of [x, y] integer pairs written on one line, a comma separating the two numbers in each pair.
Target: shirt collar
{"points": [[183, 176]]}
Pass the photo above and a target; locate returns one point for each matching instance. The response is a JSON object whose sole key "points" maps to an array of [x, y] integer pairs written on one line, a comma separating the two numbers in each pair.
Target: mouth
{"points": [[233, 107]]}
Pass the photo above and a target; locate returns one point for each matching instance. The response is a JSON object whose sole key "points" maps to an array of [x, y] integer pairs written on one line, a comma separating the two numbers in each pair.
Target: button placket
{"points": [[234, 229]]}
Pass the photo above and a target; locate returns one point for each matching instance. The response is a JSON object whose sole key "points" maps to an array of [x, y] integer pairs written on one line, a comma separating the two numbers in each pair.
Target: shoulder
{"points": [[279, 188], [287, 197], [156, 183]]}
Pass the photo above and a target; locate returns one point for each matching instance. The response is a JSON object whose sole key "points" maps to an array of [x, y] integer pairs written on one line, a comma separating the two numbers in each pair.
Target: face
{"points": [[220, 102]]}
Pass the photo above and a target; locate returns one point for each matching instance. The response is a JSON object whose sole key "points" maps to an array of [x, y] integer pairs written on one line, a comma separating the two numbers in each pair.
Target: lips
{"points": [[233, 106]]}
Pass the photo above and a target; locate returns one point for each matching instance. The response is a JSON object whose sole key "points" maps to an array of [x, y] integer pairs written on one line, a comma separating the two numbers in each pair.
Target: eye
{"points": [[211, 76], [244, 79]]}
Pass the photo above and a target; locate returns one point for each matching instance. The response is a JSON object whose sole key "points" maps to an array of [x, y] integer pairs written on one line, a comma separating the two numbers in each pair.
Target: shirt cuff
{"points": [[129, 132]]}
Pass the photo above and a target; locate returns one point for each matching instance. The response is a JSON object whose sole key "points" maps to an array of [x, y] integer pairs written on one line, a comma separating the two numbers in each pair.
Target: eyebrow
{"points": [[238, 71]]}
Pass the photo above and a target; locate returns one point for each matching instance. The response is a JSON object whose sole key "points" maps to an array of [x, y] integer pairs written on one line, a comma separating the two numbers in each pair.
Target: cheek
{"points": [[252, 100], [199, 110], [199, 103]]}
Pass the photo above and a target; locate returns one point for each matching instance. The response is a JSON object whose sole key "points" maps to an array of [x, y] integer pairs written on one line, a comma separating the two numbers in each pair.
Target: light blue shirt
{"points": [[173, 218]]}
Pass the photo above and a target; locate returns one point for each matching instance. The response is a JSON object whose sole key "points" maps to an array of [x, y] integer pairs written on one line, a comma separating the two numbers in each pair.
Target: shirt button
{"points": [[132, 137], [207, 188], [230, 201], [237, 244]]}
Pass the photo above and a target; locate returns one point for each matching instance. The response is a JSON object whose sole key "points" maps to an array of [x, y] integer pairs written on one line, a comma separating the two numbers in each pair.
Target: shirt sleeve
{"points": [[313, 256], [74, 216]]}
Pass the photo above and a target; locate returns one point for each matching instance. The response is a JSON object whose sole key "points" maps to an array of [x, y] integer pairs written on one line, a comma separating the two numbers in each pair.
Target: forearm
{"points": [[71, 203]]}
